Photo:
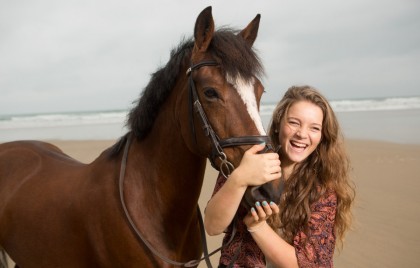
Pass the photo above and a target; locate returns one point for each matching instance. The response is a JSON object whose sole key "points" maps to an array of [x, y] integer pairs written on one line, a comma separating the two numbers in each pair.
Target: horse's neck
{"points": [[168, 163], [162, 173]]}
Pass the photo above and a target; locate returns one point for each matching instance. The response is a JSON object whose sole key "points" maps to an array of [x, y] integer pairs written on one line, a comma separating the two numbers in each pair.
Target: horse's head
{"points": [[224, 98]]}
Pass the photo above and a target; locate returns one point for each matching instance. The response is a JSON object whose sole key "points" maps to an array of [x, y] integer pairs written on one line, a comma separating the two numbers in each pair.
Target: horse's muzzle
{"points": [[270, 192]]}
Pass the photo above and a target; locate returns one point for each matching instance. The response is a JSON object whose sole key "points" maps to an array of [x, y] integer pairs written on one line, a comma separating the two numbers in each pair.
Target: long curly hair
{"points": [[327, 168]]}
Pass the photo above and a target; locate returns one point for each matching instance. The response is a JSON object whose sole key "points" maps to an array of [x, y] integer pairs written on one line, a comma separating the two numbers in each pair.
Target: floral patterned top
{"points": [[317, 250]]}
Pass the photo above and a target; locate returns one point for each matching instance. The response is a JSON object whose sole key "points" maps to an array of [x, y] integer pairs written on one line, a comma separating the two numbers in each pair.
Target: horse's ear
{"points": [[203, 30], [251, 31]]}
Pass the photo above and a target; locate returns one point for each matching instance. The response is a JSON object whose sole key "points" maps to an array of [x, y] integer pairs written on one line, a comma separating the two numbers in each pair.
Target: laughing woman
{"points": [[315, 208]]}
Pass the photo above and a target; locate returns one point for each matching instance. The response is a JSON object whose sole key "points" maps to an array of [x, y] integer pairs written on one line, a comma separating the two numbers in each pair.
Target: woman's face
{"points": [[300, 132]]}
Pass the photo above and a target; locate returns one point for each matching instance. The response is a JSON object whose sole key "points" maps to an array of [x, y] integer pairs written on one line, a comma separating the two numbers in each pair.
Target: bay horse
{"points": [[58, 212]]}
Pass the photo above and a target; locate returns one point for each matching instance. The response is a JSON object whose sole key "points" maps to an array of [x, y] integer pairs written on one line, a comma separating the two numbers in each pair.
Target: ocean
{"points": [[389, 119]]}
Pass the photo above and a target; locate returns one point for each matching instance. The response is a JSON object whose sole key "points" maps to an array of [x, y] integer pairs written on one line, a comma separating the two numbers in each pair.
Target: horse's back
{"points": [[20, 150], [39, 190], [26, 160], [31, 170], [58, 212]]}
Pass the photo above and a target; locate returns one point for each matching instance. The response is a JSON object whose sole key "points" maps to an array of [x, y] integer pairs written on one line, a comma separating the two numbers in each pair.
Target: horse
{"points": [[136, 204]]}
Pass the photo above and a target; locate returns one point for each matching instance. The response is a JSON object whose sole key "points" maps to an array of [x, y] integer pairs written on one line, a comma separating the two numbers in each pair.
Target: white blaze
{"points": [[246, 91]]}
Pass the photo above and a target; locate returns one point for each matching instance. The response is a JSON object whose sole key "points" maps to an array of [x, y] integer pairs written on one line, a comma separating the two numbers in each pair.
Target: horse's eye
{"points": [[211, 93]]}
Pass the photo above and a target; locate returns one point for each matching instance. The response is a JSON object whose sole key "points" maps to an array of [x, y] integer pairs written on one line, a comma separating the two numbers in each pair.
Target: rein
{"points": [[192, 263]]}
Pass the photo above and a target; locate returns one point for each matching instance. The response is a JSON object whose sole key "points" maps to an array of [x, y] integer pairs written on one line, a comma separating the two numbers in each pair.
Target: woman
{"points": [[315, 207]]}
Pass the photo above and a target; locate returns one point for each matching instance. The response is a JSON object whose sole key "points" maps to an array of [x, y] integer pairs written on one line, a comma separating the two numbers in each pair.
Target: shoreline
{"points": [[386, 232], [401, 126]]}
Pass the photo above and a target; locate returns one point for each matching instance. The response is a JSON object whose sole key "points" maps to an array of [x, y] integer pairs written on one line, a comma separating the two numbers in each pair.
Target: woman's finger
{"points": [[267, 209], [274, 207], [260, 211], [254, 214]]}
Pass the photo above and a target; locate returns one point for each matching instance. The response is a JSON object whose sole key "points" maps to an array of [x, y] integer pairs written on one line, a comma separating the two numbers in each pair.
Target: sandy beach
{"points": [[386, 175]]}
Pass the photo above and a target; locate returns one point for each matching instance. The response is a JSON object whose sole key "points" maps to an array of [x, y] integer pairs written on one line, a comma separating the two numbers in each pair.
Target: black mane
{"points": [[233, 54]]}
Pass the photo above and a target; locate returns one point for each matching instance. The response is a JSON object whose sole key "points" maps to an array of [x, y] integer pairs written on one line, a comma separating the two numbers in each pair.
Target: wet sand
{"points": [[387, 213]]}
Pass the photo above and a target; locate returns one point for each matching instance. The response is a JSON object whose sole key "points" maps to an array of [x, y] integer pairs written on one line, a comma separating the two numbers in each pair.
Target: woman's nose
{"points": [[302, 133]]}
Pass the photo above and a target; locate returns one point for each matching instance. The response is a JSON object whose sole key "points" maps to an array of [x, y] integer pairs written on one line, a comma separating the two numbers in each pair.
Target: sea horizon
{"points": [[394, 119]]}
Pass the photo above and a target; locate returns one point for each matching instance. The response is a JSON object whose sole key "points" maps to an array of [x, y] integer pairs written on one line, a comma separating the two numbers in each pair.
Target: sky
{"points": [[88, 55]]}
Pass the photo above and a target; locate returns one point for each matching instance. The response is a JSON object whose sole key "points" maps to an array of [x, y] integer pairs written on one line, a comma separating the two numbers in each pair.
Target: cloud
{"points": [[89, 55]]}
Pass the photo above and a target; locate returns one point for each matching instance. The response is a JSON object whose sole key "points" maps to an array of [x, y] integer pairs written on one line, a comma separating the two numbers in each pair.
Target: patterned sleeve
{"points": [[317, 249]]}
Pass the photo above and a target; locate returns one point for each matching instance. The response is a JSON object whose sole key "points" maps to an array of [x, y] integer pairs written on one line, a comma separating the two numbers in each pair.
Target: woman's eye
{"points": [[211, 93]]}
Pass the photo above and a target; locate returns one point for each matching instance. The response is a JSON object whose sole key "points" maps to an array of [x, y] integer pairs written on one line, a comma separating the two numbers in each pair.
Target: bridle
{"points": [[217, 151], [225, 167]]}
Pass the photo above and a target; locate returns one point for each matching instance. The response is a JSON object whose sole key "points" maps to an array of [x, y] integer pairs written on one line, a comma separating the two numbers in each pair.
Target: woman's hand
{"points": [[257, 169], [254, 169], [275, 249], [258, 215]]}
